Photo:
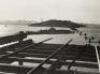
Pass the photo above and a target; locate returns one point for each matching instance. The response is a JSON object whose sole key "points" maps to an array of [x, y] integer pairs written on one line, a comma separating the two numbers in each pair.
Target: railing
{"points": [[97, 56]]}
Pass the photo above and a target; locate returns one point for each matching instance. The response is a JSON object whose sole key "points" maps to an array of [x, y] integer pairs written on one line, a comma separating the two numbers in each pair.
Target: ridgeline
{"points": [[58, 23]]}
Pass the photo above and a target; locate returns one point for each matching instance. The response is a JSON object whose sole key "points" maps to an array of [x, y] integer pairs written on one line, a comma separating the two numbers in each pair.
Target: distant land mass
{"points": [[58, 23], [96, 26], [17, 22]]}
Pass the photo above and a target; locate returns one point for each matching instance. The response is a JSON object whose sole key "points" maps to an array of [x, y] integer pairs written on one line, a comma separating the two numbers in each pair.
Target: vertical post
{"points": [[20, 62], [97, 56]]}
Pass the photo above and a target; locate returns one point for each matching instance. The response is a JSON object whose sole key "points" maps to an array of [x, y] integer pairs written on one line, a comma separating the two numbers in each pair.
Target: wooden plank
{"points": [[44, 52], [67, 55], [35, 52], [6, 61], [17, 45], [6, 68], [14, 69], [42, 55], [22, 49], [73, 50], [78, 64], [11, 48]]}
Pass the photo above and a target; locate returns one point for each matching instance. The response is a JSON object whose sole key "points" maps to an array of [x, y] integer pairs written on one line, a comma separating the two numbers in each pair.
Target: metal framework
{"points": [[56, 55]]}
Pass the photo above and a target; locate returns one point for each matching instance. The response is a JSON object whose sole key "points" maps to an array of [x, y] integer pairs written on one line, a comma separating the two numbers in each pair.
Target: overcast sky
{"points": [[85, 11]]}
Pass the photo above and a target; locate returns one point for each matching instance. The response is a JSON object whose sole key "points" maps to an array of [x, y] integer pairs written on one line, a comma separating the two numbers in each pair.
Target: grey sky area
{"points": [[83, 11]]}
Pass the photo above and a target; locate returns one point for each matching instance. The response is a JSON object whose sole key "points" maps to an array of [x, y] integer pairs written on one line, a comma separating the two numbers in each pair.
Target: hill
{"points": [[58, 23]]}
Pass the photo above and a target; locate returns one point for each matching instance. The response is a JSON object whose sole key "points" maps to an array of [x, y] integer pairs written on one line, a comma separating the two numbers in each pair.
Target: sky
{"points": [[82, 11]]}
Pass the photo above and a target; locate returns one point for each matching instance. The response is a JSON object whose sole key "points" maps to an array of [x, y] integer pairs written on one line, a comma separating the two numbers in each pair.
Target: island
{"points": [[57, 23]]}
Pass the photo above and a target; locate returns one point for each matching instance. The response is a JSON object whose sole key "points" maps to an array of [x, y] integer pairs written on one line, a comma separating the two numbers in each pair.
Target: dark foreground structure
{"points": [[54, 55], [12, 38]]}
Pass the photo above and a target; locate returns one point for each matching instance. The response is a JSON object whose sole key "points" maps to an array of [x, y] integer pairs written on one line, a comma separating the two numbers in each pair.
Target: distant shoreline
{"points": [[50, 31]]}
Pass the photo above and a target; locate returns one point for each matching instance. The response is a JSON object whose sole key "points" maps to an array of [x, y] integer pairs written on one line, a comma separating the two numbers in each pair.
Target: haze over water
{"points": [[57, 38]]}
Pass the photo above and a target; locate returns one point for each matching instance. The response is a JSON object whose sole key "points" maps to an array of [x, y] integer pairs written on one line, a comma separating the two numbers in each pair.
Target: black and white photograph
{"points": [[49, 36]]}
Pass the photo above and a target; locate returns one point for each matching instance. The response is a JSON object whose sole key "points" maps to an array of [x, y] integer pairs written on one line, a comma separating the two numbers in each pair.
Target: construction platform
{"points": [[27, 57], [50, 58]]}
